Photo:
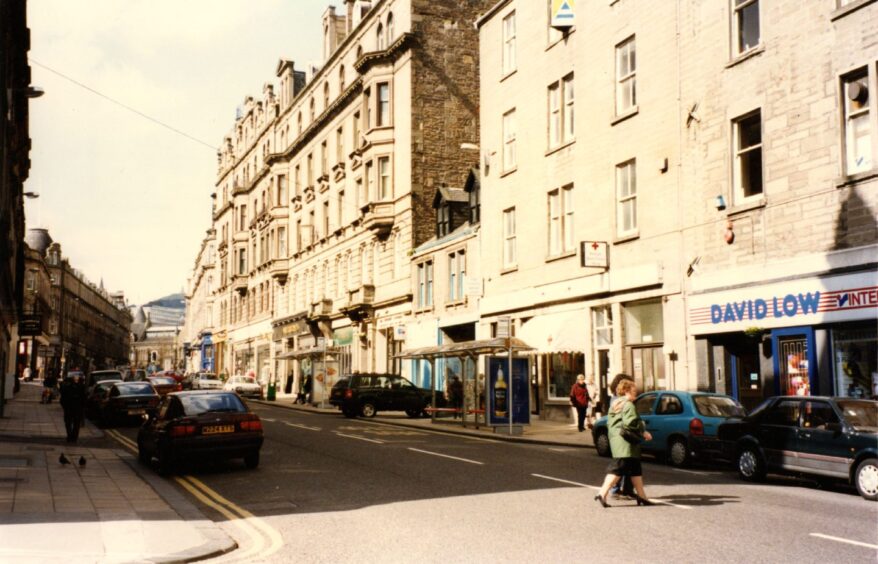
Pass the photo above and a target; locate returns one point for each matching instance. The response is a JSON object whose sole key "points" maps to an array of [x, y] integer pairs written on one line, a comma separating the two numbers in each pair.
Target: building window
{"points": [[603, 326], [326, 218], [282, 242], [398, 255], [309, 170], [367, 107], [745, 24], [643, 326], [857, 123], [340, 207], [281, 190], [324, 159], [456, 275], [561, 221], [383, 113], [339, 145], [384, 189], [443, 220], [856, 360], [389, 29], [325, 96], [380, 39], [341, 84], [561, 112], [356, 132], [475, 206], [425, 284], [242, 262], [509, 63], [509, 158], [298, 180], [312, 111], [370, 183], [626, 78], [748, 156], [626, 198], [510, 258]]}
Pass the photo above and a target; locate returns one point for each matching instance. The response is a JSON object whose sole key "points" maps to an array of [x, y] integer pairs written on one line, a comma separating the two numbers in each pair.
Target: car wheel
{"points": [[602, 443], [751, 467], [368, 409], [678, 453], [251, 461], [866, 479]]}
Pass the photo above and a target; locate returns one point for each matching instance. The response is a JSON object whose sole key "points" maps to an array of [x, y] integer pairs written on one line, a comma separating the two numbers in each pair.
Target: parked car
{"points": [[826, 437], [138, 375], [367, 394], [244, 386], [207, 381], [126, 401], [102, 375], [164, 384], [95, 398], [683, 424], [200, 425]]}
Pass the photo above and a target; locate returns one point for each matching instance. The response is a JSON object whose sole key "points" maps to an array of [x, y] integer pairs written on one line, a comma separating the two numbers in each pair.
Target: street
{"points": [[330, 489]]}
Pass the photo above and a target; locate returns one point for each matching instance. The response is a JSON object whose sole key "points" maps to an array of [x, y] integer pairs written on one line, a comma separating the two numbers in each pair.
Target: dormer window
{"points": [[443, 220]]}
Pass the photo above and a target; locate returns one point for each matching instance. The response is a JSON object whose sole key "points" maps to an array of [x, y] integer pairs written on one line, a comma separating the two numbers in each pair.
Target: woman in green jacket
{"points": [[626, 456]]}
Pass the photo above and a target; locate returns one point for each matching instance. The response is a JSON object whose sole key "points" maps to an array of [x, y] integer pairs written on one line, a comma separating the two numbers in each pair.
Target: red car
{"points": [[165, 384], [178, 376]]}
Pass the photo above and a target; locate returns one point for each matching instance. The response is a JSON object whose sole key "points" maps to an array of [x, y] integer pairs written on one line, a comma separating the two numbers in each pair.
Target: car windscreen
{"points": [[162, 381], [207, 377], [135, 389], [211, 403], [860, 413], [718, 406]]}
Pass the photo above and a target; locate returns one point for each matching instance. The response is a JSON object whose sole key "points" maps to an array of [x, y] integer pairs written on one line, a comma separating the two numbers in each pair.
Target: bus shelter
{"points": [[463, 399], [319, 363]]}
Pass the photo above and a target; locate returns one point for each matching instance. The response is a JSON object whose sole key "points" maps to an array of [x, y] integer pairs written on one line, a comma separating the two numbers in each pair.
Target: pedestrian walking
{"points": [[49, 385], [579, 399], [307, 386], [623, 488], [73, 404], [626, 431]]}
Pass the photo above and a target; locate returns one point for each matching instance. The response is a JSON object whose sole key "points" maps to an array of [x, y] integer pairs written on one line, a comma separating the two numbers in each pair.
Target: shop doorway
{"points": [[648, 368], [794, 361]]}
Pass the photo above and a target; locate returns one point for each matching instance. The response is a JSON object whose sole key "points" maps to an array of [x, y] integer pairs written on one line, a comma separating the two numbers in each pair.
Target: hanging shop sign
{"points": [[563, 13], [800, 302], [594, 254], [30, 326]]}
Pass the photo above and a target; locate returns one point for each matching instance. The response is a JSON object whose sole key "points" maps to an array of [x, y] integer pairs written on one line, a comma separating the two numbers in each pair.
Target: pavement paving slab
{"points": [[111, 510]]}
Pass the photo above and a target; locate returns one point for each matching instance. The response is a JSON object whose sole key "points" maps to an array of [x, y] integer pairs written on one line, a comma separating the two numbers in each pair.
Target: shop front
{"points": [[807, 336]]}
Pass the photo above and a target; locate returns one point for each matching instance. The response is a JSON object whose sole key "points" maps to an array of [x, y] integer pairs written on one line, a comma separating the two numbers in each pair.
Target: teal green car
{"points": [[683, 425]]}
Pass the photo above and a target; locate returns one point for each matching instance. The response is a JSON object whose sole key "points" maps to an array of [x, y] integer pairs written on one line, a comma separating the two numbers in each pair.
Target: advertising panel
{"points": [[499, 387]]}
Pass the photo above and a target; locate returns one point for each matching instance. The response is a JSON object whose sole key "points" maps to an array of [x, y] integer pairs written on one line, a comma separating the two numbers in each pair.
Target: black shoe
{"points": [[601, 500], [581, 430], [642, 501]]}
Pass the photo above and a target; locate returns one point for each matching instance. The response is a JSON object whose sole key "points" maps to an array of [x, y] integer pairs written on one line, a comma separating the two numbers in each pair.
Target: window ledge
{"points": [[423, 309], [853, 179], [845, 10], [748, 54], [508, 74], [745, 207], [630, 112], [509, 269], [626, 237], [562, 256], [563, 145], [454, 304], [508, 172]]}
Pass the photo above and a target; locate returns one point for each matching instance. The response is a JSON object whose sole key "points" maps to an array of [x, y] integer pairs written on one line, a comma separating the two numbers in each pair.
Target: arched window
{"points": [[300, 123], [359, 52], [380, 37], [341, 84], [312, 110], [389, 28], [325, 95]]}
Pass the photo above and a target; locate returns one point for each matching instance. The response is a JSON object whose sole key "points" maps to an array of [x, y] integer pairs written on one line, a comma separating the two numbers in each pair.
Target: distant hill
{"points": [[174, 301]]}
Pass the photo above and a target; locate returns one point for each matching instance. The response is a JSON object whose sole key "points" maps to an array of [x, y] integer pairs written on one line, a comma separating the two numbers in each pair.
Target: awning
{"points": [[306, 353], [556, 332], [467, 348]]}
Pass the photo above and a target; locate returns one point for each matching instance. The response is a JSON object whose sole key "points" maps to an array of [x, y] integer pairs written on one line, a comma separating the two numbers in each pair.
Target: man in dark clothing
{"points": [[624, 487], [73, 403], [579, 398]]}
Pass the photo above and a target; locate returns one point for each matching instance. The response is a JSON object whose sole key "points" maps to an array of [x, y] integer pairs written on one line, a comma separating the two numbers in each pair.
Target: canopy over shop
{"points": [[464, 400]]}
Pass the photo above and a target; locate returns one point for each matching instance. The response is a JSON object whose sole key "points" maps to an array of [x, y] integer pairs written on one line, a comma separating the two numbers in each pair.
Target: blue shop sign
{"points": [[789, 305]]}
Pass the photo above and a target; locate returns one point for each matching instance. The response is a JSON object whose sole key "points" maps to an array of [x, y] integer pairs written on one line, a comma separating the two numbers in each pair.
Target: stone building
{"points": [[197, 334], [155, 338], [697, 212], [36, 326], [15, 144], [326, 185]]}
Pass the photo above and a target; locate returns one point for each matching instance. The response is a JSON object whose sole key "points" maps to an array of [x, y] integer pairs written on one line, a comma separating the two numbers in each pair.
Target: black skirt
{"points": [[625, 467]]}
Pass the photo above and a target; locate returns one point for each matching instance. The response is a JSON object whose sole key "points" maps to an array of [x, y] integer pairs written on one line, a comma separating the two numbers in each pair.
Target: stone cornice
{"points": [[405, 42]]}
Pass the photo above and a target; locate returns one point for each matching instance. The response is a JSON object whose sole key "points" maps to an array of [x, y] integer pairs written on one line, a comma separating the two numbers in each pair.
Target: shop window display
{"points": [[563, 369], [856, 362]]}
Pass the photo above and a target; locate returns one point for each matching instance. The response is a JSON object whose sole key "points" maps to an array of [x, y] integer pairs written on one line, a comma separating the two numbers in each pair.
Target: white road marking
{"points": [[447, 456], [691, 472], [360, 438], [300, 426], [269, 420], [561, 449], [847, 541], [656, 501]]}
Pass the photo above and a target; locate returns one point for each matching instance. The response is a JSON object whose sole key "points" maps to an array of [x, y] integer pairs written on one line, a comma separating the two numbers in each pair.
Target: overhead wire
{"points": [[121, 104]]}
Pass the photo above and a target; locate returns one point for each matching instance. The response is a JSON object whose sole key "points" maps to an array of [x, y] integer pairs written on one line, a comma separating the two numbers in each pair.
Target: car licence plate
{"points": [[214, 429], [136, 411]]}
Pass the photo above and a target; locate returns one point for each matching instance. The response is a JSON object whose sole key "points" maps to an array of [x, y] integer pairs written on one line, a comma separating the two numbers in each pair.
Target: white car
{"points": [[206, 381], [244, 386]]}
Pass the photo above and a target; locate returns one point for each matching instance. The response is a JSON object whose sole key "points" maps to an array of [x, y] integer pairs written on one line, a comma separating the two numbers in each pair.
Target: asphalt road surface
{"points": [[332, 489]]}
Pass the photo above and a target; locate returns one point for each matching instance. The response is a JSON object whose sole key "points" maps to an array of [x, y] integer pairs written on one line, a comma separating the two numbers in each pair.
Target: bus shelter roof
{"points": [[468, 348], [308, 352]]}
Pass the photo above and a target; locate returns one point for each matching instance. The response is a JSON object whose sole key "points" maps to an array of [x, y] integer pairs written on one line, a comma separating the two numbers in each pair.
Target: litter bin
{"points": [[272, 392]]}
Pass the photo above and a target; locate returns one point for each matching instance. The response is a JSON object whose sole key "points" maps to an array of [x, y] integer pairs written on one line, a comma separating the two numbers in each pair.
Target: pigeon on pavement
{"points": [[63, 459]]}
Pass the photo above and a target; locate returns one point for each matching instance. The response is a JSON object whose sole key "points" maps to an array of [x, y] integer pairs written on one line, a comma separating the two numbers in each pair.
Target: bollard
{"points": [[272, 392]]}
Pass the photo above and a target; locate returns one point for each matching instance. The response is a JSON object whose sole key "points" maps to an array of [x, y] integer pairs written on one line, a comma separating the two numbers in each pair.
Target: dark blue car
{"points": [[683, 424]]}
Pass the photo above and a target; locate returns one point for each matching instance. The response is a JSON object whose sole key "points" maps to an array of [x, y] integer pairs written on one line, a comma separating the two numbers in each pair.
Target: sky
{"points": [[128, 199]]}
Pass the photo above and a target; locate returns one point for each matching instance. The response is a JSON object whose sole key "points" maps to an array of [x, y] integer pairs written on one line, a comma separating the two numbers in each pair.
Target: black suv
{"points": [[828, 437], [367, 394]]}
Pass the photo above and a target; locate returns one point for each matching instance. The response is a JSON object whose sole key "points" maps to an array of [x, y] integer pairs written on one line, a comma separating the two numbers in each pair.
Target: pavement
{"points": [[538, 431], [110, 510]]}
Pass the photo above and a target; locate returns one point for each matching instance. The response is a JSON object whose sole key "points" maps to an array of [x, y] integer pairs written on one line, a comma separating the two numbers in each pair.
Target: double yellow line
{"points": [[265, 540]]}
